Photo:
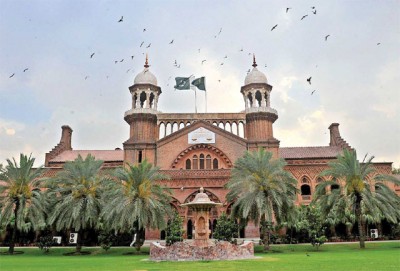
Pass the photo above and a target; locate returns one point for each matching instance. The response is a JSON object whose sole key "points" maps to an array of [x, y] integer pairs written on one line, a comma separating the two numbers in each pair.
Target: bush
{"points": [[174, 231], [45, 243], [226, 229], [106, 240]]}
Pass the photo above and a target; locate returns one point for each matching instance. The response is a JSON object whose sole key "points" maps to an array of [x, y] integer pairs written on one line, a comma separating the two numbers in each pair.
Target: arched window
{"points": [[319, 180], [195, 162], [188, 164], [305, 190], [208, 161], [201, 161], [215, 163]]}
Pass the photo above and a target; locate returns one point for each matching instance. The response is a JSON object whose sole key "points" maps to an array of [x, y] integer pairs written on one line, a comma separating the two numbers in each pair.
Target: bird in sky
{"points": [[222, 63], [314, 11], [303, 17], [25, 69], [287, 10], [122, 60], [378, 43], [172, 41], [326, 37], [220, 31], [144, 29], [204, 60], [309, 80], [241, 50], [11, 75], [274, 27], [265, 65], [115, 61], [121, 20], [199, 50], [128, 70], [312, 7], [132, 57], [142, 44], [148, 46], [175, 63], [86, 77], [225, 56], [312, 92], [91, 56]]}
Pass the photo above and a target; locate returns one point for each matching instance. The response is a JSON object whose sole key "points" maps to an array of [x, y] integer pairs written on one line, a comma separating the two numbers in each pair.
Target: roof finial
{"points": [[254, 61], [146, 64]]}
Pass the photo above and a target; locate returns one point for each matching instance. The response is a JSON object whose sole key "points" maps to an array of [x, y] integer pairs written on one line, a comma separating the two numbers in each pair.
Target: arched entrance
{"points": [[189, 229]]}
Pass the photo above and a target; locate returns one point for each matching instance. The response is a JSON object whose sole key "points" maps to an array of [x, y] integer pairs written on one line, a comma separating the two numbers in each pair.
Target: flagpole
{"points": [[206, 101], [195, 100]]}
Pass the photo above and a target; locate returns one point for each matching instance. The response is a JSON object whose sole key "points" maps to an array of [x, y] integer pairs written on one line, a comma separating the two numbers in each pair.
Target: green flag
{"points": [[200, 83], [182, 83]]}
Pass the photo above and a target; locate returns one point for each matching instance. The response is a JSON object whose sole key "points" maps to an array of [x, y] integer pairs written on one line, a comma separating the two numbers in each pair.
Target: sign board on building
{"points": [[201, 135]]}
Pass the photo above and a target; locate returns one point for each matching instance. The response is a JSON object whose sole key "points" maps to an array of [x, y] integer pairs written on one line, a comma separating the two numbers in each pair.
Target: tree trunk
{"points": [[360, 221], [14, 232], [265, 232], [78, 248]]}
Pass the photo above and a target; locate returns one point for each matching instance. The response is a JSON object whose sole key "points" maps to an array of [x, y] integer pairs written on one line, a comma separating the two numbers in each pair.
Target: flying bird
{"points": [[142, 44], [122, 60], [172, 41], [128, 70], [314, 11], [241, 50], [25, 69], [303, 17], [220, 31], [312, 7], [148, 46], [132, 57], [121, 20], [86, 77], [225, 56], [91, 56], [203, 61], [378, 43], [115, 61], [309, 80], [222, 63], [287, 10], [312, 92], [144, 29], [326, 37], [11, 75], [274, 27]]}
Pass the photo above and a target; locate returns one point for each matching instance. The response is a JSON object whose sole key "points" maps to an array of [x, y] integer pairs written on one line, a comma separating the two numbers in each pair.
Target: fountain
{"points": [[202, 248]]}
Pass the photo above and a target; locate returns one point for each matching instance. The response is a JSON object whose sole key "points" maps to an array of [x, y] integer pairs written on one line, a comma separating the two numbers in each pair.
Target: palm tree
{"points": [[77, 192], [135, 201], [21, 200], [262, 190], [355, 181]]}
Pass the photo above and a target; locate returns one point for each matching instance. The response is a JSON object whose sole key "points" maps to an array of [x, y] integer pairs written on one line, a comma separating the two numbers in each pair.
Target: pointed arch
{"points": [[188, 152]]}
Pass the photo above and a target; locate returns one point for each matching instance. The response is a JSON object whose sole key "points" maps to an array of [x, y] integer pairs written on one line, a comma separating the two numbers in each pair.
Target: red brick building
{"points": [[199, 149]]}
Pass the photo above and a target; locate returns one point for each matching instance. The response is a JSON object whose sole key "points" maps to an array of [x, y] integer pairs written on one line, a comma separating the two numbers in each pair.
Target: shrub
{"points": [[45, 243]]}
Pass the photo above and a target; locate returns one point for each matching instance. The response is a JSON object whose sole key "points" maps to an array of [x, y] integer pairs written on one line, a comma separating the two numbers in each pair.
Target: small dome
{"points": [[145, 77], [255, 76]]}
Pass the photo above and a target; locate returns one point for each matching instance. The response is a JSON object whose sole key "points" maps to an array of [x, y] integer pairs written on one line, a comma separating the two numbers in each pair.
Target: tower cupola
{"points": [[256, 91], [145, 91]]}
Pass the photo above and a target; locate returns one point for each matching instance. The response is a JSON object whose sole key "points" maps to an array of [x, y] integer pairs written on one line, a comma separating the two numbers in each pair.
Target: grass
{"points": [[377, 256]]}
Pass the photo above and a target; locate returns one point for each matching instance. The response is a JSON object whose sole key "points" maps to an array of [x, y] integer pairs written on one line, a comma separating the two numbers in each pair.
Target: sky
{"points": [[354, 70]]}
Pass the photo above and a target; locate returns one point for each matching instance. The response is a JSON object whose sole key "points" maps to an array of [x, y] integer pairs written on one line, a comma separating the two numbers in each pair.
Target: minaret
{"points": [[259, 114], [142, 118]]}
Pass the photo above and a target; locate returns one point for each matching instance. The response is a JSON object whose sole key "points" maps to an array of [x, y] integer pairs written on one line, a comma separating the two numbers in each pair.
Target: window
{"points": [[195, 162], [140, 156], [208, 161], [305, 189], [201, 161], [215, 163], [188, 164]]}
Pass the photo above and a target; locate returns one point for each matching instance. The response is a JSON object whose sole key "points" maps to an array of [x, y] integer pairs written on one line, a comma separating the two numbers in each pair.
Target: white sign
{"points": [[201, 135]]}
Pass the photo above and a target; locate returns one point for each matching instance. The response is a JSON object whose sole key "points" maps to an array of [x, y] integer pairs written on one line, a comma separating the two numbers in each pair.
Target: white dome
{"points": [[255, 76], [145, 77]]}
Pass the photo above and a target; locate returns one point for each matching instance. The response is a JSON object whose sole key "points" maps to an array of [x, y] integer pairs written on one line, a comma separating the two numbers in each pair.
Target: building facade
{"points": [[199, 149]]}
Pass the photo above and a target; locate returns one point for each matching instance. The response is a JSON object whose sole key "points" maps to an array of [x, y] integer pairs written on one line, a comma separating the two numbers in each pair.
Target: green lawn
{"points": [[377, 256]]}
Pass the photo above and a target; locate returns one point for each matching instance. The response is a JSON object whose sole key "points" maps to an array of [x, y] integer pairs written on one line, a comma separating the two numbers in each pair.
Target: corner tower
{"points": [[259, 115], [142, 118]]}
